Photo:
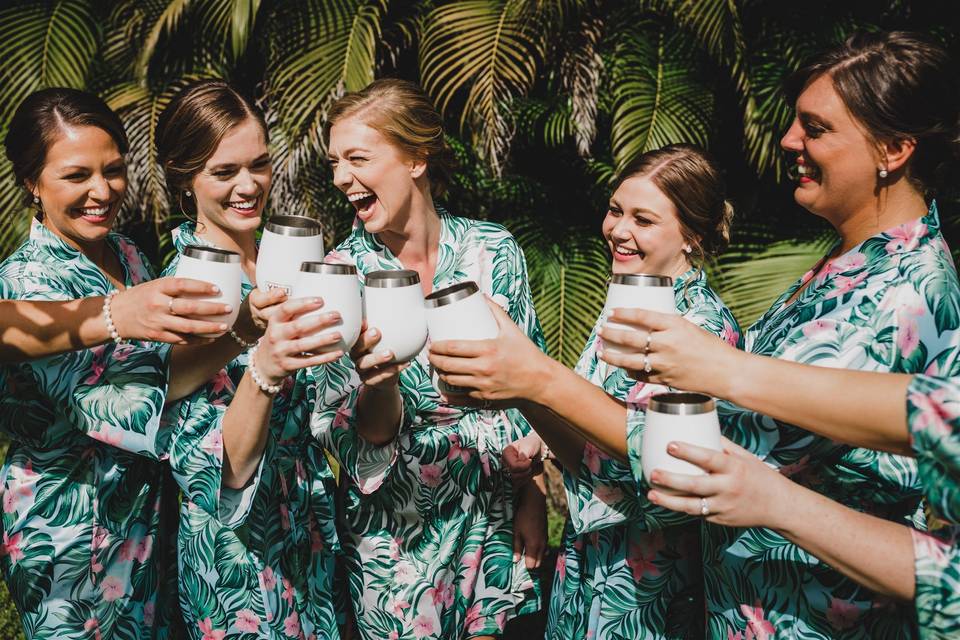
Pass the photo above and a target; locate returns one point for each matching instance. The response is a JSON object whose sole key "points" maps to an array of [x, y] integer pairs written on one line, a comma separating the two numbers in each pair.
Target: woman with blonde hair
{"points": [[427, 516]]}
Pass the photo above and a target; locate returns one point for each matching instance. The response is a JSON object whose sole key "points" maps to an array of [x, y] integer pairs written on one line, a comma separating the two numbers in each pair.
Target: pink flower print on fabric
{"points": [[21, 481], [149, 611], [93, 624], [398, 607], [937, 411], [729, 335], [474, 620], [642, 555], [213, 443], [845, 284], [111, 588], [423, 626], [430, 475], [291, 625], [470, 563], [926, 546], [441, 594], [209, 633], [842, 614], [246, 621], [592, 457], [287, 592], [906, 237], [98, 365], [562, 565], [758, 626], [11, 546], [268, 579], [456, 451], [342, 418], [844, 263], [817, 327], [608, 494]]}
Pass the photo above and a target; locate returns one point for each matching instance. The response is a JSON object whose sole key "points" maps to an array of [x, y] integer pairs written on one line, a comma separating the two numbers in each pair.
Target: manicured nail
{"points": [[672, 448], [227, 308], [215, 289], [223, 326]]}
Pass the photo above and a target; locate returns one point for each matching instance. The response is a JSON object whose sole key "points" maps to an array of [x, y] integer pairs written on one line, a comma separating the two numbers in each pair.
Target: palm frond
{"points": [[580, 71], [568, 281], [658, 97], [750, 279], [489, 51], [166, 22]]}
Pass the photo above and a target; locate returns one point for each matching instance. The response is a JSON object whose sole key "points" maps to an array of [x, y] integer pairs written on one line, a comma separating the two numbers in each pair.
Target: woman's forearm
{"points": [[192, 365], [35, 329], [859, 408], [378, 413], [585, 407], [245, 427], [874, 552]]}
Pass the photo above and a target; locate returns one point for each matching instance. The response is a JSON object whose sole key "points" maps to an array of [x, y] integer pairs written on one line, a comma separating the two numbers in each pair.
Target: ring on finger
{"points": [[646, 364], [646, 347], [704, 507], [170, 307]]}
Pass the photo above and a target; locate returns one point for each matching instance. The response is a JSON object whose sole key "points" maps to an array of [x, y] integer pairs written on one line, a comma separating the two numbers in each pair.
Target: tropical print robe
{"points": [[427, 520], [628, 568], [933, 417], [891, 303], [87, 527], [256, 563]]}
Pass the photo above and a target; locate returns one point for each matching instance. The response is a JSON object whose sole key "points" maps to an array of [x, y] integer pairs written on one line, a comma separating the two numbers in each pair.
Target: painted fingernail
{"points": [[223, 326], [227, 308], [672, 448]]}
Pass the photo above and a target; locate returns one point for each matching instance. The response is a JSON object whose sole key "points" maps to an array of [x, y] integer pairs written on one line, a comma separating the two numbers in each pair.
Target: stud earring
{"points": [[882, 173], [687, 250], [187, 193], [36, 200]]}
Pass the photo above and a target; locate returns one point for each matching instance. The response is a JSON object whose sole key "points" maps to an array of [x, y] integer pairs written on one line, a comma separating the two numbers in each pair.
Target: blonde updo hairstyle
{"points": [[687, 175], [403, 114]]}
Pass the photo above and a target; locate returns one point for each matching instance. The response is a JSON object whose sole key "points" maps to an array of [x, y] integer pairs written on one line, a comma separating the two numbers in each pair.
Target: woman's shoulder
{"points": [[699, 303]]}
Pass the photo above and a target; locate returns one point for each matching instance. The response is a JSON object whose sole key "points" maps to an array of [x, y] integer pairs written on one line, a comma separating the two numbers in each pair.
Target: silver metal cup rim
{"points": [[391, 278], [681, 403], [449, 295], [332, 269], [641, 280], [295, 226], [210, 254]]}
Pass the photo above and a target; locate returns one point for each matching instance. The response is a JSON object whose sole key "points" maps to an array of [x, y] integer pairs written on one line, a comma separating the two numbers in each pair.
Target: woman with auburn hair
{"points": [[257, 538], [85, 537], [627, 569], [427, 518], [876, 123]]}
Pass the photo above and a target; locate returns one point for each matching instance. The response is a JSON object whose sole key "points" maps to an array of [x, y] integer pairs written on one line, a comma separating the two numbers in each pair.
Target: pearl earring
{"points": [[882, 173], [36, 200], [687, 250], [187, 193]]}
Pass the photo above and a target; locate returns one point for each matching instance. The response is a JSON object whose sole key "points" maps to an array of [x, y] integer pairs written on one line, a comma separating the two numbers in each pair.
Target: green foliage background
{"points": [[544, 100]]}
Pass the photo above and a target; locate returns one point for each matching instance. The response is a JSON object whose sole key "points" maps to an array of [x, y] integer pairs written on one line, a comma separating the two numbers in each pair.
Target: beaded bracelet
{"points": [[545, 453], [240, 341], [269, 389], [108, 319]]}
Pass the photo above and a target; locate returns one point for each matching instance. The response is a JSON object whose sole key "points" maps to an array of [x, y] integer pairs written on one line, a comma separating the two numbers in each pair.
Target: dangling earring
{"points": [[882, 173]]}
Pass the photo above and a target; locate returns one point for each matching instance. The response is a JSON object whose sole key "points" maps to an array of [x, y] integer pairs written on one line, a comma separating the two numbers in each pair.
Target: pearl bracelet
{"points": [[269, 389], [240, 341], [545, 452], [108, 319]]}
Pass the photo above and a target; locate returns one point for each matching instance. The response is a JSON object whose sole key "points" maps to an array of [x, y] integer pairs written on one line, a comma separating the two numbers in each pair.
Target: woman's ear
{"points": [[418, 167], [895, 153]]}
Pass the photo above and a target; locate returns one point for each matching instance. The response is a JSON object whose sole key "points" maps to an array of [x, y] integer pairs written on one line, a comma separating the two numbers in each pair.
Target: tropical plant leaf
{"points": [[489, 50], [580, 71], [658, 97], [750, 279], [568, 281]]}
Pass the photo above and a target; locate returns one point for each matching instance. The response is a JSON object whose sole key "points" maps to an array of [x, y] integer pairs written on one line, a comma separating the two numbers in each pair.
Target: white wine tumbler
{"points": [[637, 291], [393, 304], [216, 266], [459, 312], [286, 243], [677, 417], [339, 287]]}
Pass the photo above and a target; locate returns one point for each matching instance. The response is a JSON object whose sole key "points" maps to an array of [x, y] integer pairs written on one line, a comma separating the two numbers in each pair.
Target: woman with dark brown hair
{"points": [[257, 540], [626, 569]]}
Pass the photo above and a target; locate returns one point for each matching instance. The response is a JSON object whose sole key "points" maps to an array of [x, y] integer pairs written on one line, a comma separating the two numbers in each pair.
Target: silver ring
{"points": [[646, 364], [646, 347], [704, 507], [170, 307]]}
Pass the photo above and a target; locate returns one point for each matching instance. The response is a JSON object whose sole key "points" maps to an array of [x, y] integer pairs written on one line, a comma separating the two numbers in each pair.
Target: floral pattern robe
{"points": [[427, 520], [892, 303], [933, 416], [87, 525], [628, 568], [256, 563]]}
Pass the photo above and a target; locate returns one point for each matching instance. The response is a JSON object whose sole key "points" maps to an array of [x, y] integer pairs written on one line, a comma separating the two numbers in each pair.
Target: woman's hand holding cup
{"points": [[291, 337], [375, 367]]}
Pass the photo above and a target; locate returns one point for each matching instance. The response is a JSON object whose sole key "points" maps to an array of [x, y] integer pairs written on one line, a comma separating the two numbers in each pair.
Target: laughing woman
{"points": [[257, 535], [85, 536], [428, 513], [627, 568], [876, 119]]}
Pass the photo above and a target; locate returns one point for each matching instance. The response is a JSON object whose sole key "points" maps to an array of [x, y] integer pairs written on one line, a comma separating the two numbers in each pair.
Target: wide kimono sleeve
{"points": [[933, 418], [113, 393]]}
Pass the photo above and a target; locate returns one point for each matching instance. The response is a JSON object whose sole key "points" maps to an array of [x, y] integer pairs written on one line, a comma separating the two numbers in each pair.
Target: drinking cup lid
{"points": [[297, 226], [451, 294], [641, 280], [392, 278], [681, 403], [210, 254], [323, 267]]}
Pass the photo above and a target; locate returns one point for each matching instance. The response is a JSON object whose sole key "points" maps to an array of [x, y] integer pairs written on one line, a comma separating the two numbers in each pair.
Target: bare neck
{"points": [[416, 240], [894, 205]]}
